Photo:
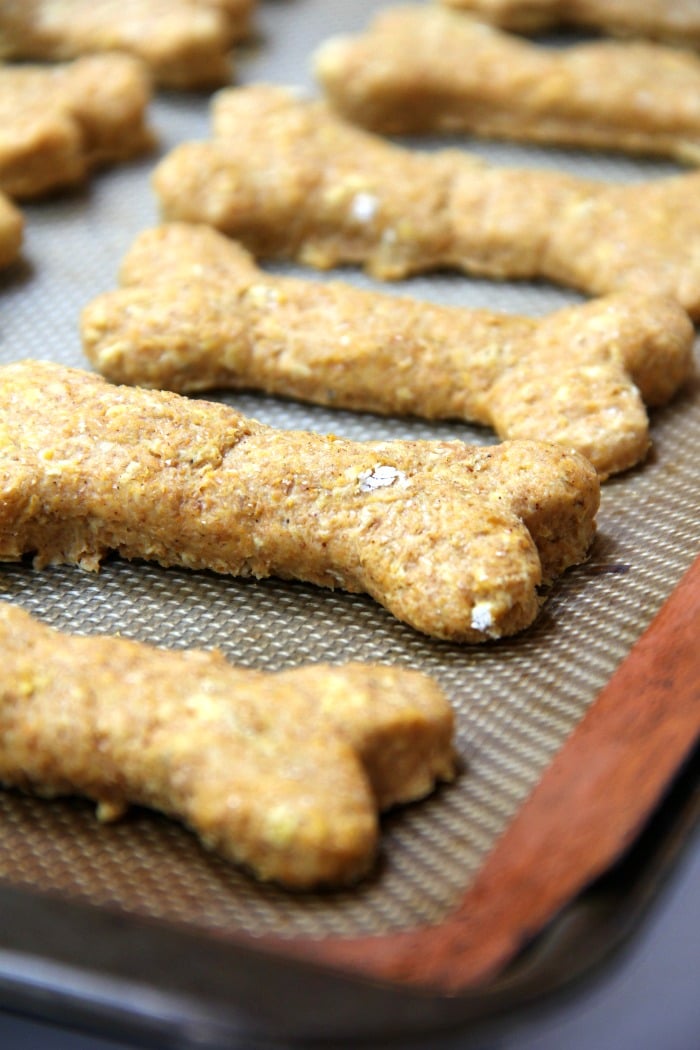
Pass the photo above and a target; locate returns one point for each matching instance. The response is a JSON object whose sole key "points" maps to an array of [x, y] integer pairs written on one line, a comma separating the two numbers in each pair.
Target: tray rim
{"points": [[88, 971], [635, 736], [116, 994]]}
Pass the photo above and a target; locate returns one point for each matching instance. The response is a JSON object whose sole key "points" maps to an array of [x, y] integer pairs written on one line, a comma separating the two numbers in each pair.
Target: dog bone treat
{"points": [[423, 69], [454, 540], [238, 15], [11, 231], [197, 313], [59, 123], [288, 178], [677, 22], [185, 43], [281, 772]]}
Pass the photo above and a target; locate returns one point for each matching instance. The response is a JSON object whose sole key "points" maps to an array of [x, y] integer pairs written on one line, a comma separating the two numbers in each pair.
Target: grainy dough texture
{"points": [[423, 69], [11, 231], [282, 772], [674, 21], [197, 313], [454, 540], [288, 178], [57, 124], [185, 43]]}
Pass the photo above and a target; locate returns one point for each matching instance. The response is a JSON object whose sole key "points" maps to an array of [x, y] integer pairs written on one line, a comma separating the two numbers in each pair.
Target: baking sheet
{"points": [[517, 700]]}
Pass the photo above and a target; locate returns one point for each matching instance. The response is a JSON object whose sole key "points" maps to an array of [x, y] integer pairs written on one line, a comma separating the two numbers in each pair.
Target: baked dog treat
{"points": [[676, 23], [11, 231], [60, 123], [283, 772], [196, 313], [423, 69], [288, 178], [454, 540], [238, 15], [184, 43]]}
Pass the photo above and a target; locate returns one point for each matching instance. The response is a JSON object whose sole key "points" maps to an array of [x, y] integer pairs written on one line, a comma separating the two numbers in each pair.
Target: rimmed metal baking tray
{"points": [[133, 924]]}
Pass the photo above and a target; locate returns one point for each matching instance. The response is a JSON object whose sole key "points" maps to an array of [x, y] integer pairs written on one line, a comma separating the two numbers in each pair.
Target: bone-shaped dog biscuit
{"points": [[289, 179], [454, 540], [11, 231], [281, 772], [184, 43], [677, 22], [425, 69], [197, 313], [59, 123]]}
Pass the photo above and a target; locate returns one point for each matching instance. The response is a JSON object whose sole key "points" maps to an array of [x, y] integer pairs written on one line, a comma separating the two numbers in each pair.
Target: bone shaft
{"points": [[53, 748], [178, 482], [424, 70], [124, 698], [332, 193], [677, 23], [504, 220], [109, 717], [197, 314], [303, 340], [522, 16], [193, 484], [442, 211]]}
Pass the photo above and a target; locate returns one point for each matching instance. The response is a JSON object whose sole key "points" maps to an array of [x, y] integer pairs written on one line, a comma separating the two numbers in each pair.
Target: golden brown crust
{"points": [[281, 772], [197, 314], [676, 23], [289, 179], [11, 231], [59, 123], [426, 69], [184, 43], [452, 539]]}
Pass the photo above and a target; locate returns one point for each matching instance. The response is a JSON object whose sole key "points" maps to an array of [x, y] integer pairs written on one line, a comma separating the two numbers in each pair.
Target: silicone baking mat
{"points": [[517, 700]]}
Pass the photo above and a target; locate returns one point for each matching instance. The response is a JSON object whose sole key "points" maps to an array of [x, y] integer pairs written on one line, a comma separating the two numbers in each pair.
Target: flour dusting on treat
{"points": [[196, 313], [423, 70], [89, 468], [380, 476]]}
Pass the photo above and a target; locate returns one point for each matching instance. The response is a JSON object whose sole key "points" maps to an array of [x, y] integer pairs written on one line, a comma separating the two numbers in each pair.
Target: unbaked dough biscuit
{"points": [[11, 231], [288, 178], [453, 539], [185, 43], [282, 772], [57, 124], [196, 313], [422, 69], [673, 21]]}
